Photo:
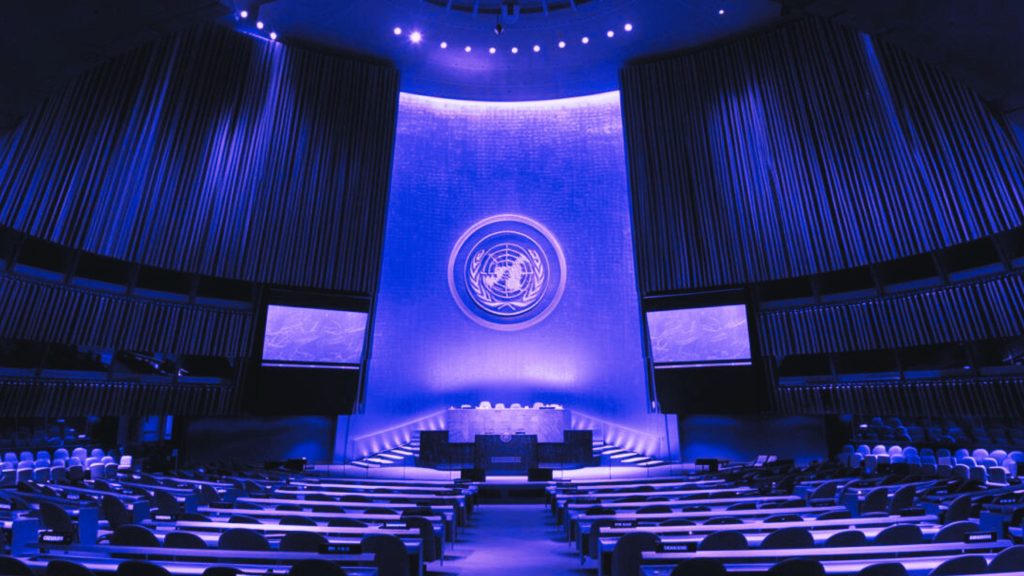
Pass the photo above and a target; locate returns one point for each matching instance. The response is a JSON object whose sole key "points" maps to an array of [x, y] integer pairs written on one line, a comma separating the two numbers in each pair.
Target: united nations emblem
{"points": [[507, 272]]}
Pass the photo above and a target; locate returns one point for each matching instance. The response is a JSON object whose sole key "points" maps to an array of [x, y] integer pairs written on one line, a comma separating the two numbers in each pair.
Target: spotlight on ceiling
{"points": [[611, 33], [586, 40], [273, 35], [492, 50], [243, 14], [536, 47], [259, 25], [721, 11], [415, 37], [515, 50], [444, 45], [397, 31], [469, 49], [628, 27], [561, 43]]}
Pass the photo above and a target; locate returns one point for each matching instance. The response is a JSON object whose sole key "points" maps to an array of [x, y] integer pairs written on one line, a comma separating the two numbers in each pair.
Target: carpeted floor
{"points": [[511, 540]]}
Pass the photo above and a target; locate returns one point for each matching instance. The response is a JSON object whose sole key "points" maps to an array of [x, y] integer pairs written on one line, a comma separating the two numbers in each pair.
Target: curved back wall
{"points": [[805, 149], [214, 153], [560, 164]]}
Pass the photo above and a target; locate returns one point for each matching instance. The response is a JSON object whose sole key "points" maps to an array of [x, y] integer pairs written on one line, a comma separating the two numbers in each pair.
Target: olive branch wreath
{"points": [[476, 284]]}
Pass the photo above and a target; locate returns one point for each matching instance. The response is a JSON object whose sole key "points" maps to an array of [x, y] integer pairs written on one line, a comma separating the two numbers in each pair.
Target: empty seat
{"points": [[141, 568], [390, 554], [242, 539], [303, 542], [959, 509], [955, 532], [134, 535], [165, 503], [884, 569], [788, 538], [1009, 560], [53, 517], [720, 520], [961, 566], [10, 566], [875, 501], [834, 515], [724, 540], [243, 519], [902, 499], [346, 523], [846, 538], [661, 509], [115, 512], [777, 518], [899, 534], [65, 568], [797, 567], [432, 549], [627, 551], [178, 539]]}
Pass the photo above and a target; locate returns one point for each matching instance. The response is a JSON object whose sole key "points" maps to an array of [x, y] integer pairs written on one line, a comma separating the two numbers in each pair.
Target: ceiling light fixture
{"points": [[243, 14], [469, 49], [444, 45], [415, 37], [586, 40], [721, 11], [259, 25], [628, 27], [611, 33], [561, 43], [536, 47], [397, 31], [515, 50], [273, 35]]}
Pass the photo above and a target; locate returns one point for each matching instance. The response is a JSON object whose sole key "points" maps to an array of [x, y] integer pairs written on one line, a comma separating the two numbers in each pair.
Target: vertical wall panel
{"points": [[806, 149], [215, 153]]}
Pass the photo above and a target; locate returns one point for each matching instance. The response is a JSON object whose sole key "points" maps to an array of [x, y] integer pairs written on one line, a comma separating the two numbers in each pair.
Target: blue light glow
{"points": [[560, 166], [313, 336]]}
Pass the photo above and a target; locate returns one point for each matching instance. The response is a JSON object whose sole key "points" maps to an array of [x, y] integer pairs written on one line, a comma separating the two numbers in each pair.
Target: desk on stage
{"points": [[506, 440], [465, 424]]}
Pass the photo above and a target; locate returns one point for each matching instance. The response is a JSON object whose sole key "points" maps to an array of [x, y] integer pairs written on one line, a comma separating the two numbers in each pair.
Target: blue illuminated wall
{"points": [[561, 165]]}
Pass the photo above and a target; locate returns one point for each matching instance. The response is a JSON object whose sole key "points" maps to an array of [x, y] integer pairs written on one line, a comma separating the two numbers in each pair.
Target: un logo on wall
{"points": [[507, 272]]}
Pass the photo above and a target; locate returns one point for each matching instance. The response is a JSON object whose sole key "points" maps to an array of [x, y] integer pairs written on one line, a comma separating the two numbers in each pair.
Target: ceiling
{"points": [[367, 27], [47, 43]]}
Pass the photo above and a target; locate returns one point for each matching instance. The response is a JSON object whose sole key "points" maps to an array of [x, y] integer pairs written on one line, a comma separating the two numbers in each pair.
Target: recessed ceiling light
{"points": [[611, 33], [244, 14], [469, 49], [397, 31], [273, 35], [259, 25], [415, 37], [628, 27], [515, 50], [492, 50], [444, 45], [721, 11], [561, 44], [586, 40], [536, 48]]}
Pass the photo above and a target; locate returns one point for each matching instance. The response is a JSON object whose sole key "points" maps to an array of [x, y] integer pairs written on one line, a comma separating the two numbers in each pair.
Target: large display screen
{"points": [[313, 337], [708, 336]]}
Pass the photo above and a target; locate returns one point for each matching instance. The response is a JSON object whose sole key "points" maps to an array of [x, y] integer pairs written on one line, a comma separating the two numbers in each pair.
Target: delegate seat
{"points": [[884, 569], [1009, 560], [788, 538], [134, 535], [797, 567], [66, 568], [961, 566], [846, 538], [179, 539], [11, 566], [141, 568], [303, 542], [390, 554], [627, 552], [242, 539], [724, 540], [955, 532], [899, 534]]}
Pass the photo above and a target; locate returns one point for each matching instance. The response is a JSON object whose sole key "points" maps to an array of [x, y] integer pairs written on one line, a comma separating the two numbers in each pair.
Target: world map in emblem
{"points": [[507, 272]]}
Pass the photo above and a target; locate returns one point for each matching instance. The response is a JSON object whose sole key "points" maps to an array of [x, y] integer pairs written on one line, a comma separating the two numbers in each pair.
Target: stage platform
{"points": [[508, 489]]}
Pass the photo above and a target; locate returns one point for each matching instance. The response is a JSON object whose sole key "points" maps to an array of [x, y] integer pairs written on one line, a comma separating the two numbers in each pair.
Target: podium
{"points": [[514, 454]]}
